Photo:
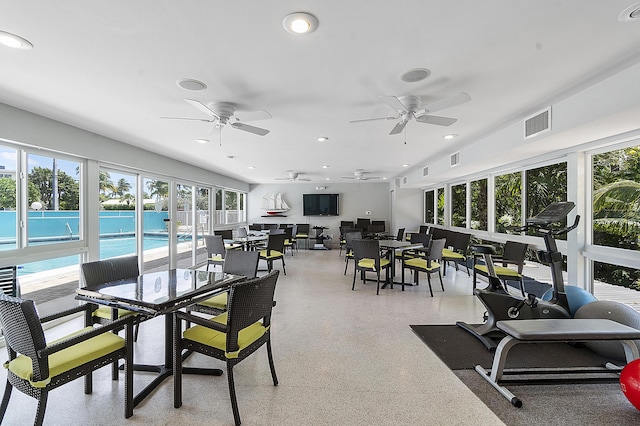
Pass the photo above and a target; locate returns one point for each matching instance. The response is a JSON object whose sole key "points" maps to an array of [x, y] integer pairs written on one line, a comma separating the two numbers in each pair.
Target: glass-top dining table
{"points": [[160, 293]]}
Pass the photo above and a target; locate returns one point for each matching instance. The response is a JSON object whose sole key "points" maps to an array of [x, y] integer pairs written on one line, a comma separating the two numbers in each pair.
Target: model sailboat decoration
{"points": [[274, 204]]}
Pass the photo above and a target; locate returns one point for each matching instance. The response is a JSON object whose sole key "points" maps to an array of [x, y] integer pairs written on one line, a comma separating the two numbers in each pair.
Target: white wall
{"points": [[33, 130], [355, 200], [408, 211]]}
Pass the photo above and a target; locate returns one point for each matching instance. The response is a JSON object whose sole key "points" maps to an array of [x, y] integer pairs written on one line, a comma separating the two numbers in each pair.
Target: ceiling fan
{"points": [[223, 113], [293, 176], [360, 174], [409, 107]]}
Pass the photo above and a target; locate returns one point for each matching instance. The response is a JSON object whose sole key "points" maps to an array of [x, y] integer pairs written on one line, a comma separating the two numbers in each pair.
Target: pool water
{"points": [[109, 247]]}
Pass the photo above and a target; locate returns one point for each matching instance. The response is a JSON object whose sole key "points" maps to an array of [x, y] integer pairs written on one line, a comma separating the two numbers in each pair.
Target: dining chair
{"points": [[400, 234], [429, 264], [274, 251], [459, 253], [216, 251], [513, 254], [107, 270], [350, 236], [237, 262], [230, 337], [9, 281], [368, 259], [416, 238], [35, 367], [302, 232], [288, 241]]}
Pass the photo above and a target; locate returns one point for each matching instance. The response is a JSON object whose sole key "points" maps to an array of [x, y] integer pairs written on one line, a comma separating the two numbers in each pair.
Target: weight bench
{"points": [[561, 331]]}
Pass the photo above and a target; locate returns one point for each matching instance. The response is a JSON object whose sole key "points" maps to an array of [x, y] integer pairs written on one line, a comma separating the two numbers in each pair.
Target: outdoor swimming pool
{"points": [[109, 247]]}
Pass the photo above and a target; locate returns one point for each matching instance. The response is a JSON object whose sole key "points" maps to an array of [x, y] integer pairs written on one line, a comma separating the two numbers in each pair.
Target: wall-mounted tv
{"points": [[320, 204]]}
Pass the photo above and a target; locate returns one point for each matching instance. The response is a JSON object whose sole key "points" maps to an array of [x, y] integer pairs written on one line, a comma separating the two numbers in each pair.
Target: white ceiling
{"points": [[112, 67]]}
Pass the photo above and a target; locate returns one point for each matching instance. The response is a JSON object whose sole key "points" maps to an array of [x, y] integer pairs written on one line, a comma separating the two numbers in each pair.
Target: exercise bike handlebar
{"points": [[541, 227]]}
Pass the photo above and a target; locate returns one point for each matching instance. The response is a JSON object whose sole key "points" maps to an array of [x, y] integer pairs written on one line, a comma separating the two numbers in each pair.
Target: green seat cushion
{"points": [[273, 254], [422, 264], [302, 235], [500, 271], [105, 312], [370, 263], [70, 358], [216, 258], [218, 339], [450, 254], [218, 302]]}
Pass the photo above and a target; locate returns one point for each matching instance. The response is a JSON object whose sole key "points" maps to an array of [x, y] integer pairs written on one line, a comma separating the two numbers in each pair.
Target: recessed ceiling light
{"points": [[191, 84], [202, 141], [322, 139], [14, 41], [384, 178], [451, 136], [325, 166], [300, 23], [252, 167], [415, 75], [629, 14], [405, 165], [328, 179]]}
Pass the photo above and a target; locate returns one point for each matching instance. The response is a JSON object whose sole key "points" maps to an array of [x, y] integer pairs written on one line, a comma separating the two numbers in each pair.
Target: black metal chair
{"points": [[237, 262], [232, 336], [302, 232], [459, 253], [36, 367], [368, 259], [429, 264]]}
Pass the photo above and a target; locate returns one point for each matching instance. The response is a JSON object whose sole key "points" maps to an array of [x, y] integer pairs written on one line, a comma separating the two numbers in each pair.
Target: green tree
{"points": [[68, 188], [122, 187], [8, 193]]}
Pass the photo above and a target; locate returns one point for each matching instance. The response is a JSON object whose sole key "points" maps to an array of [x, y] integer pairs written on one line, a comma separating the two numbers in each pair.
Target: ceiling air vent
{"points": [[538, 123], [455, 159], [405, 180], [425, 171]]}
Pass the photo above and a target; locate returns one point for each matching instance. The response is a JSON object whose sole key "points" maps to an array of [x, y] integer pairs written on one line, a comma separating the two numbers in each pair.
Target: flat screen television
{"points": [[320, 204]]}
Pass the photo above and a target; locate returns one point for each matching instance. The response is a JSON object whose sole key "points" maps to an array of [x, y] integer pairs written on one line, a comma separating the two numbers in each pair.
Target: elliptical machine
{"points": [[500, 304]]}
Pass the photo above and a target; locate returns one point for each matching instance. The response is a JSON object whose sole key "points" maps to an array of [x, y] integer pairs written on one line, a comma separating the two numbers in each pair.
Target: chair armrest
{"points": [[64, 344], [90, 307], [201, 321]]}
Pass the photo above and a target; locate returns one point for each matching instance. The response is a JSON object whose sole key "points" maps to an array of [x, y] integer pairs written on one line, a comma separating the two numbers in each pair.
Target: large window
{"points": [[117, 214], [459, 205], [55, 217], [545, 185], [479, 212], [429, 203], [8, 194], [616, 210], [156, 227], [230, 206], [508, 204], [440, 210]]}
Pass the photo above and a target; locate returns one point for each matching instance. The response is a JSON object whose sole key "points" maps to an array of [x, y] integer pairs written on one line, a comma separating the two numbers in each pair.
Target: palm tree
{"points": [[619, 199], [122, 187]]}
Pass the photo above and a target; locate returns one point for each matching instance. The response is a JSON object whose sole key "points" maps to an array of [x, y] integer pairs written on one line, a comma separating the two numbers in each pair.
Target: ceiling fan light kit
{"points": [[411, 107]]}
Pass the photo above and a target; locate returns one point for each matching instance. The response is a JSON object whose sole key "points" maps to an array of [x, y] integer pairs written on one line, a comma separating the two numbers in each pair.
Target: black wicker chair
{"points": [[215, 250], [428, 264], [232, 336], [302, 232], [237, 262], [368, 259], [349, 237], [514, 253], [35, 367], [274, 251], [9, 281]]}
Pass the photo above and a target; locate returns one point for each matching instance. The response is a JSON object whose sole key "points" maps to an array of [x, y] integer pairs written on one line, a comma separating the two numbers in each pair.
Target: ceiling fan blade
{"points": [[251, 129], [347, 177], [253, 115], [434, 119], [394, 103], [398, 128], [192, 119], [373, 119], [304, 179], [445, 103], [202, 107]]}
